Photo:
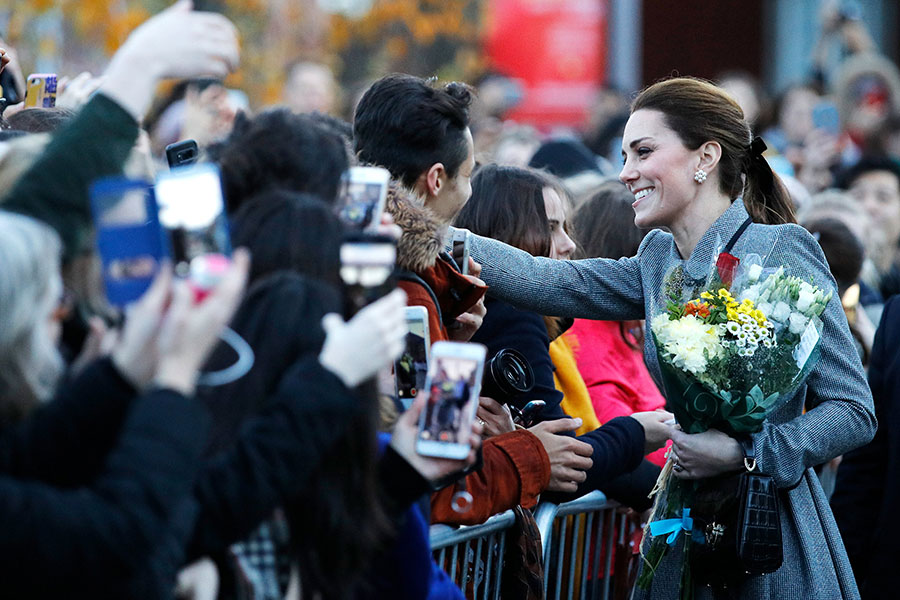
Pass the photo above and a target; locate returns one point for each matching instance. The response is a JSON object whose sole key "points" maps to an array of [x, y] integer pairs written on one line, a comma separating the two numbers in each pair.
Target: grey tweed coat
{"points": [[815, 563]]}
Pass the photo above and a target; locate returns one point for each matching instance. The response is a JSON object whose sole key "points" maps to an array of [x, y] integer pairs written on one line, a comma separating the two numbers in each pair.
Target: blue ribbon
{"points": [[673, 526]]}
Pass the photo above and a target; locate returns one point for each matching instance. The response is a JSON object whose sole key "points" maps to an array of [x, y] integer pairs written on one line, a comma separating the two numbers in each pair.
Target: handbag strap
{"points": [[746, 443]]}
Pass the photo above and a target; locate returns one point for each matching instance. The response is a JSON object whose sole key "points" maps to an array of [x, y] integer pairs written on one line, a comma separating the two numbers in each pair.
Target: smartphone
{"points": [[192, 213], [452, 387], [129, 238], [825, 116], [362, 196], [411, 368], [461, 250], [367, 269], [40, 90], [183, 153]]}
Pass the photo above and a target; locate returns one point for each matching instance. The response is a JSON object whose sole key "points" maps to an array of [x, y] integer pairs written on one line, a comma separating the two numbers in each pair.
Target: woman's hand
{"points": [[433, 469], [372, 339], [706, 454], [495, 417], [657, 430]]}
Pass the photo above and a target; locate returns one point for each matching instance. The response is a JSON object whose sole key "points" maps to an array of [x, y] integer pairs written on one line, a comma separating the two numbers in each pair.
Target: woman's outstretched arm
{"points": [[596, 288]]}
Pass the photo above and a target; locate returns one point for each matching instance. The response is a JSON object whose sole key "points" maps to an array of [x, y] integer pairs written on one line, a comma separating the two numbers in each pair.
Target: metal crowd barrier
{"points": [[473, 555], [576, 536]]}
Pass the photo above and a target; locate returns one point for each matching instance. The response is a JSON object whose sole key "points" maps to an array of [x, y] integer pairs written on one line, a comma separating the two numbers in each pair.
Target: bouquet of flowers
{"points": [[730, 351]]}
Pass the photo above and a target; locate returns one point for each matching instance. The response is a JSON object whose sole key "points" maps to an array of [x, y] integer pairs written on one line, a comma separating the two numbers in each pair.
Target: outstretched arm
{"points": [[596, 288]]}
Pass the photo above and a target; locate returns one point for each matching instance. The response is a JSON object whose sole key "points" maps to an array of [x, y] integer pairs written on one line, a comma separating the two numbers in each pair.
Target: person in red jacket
{"points": [[421, 135]]}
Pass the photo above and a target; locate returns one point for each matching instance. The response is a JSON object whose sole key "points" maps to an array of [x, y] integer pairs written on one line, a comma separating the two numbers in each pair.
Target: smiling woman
{"points": [[691, 165]]}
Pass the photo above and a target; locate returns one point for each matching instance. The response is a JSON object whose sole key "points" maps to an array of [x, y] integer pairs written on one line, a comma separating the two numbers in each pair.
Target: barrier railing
{"points": [[473, 555], [579, 540]]}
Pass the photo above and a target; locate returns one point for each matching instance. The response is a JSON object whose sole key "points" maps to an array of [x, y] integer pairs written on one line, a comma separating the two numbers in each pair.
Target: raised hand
{"points": [[433, 469], [371, 340], [177, 42]]}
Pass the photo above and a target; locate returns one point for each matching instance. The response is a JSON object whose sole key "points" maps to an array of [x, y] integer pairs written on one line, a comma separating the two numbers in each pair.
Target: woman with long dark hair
{"points": [[694, 169], [525, 208]]}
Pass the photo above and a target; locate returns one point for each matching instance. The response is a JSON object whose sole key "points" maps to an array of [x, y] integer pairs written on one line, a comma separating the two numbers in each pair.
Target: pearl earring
{"points": [[700, 176]]}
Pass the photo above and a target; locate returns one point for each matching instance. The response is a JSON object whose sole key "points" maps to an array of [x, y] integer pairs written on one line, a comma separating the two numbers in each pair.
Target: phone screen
{"points": [[129, 238], [363, 191], [192, 211], [411, 368], [367, 266], [453, 385]]}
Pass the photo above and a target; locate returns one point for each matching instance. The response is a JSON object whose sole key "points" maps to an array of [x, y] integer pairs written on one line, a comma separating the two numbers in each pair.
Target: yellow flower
{"points": [[707, 296]]}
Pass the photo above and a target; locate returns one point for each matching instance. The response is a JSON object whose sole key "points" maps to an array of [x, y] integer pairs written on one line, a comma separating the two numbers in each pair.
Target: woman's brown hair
{"points": [[698, 112]]}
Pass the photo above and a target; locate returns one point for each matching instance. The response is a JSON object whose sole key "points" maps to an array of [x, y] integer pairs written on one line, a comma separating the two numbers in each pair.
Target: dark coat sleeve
{"points": [[103, 532], [83, 423], [862, 479], [274, 457], [55, 189], [618, 445]]}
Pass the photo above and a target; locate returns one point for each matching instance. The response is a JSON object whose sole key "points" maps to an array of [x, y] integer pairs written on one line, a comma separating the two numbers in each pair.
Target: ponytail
{"points": [[765, 197]]}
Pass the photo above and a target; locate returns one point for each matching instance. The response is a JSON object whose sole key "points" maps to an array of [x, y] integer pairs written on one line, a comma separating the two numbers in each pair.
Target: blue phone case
{"points": [[130, 240]]}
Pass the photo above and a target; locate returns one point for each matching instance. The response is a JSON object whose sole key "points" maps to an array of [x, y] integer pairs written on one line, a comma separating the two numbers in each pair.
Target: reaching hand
{"points": [[433, 469], [372, 339], [656, 431], [495, 417], [469, 322], [190, 330], [177, 42], [74, 93], [569, 457]]}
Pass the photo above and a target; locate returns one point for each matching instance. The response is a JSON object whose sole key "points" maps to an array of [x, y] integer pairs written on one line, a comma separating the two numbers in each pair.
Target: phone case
{"points": [[130, 241]]}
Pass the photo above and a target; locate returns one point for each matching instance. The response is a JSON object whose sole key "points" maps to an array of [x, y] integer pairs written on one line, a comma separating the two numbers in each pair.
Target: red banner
{"points": [[556, 49]]}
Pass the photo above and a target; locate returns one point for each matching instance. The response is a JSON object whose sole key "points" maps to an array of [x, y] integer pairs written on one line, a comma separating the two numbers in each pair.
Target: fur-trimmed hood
{"points": [[423, 233]]}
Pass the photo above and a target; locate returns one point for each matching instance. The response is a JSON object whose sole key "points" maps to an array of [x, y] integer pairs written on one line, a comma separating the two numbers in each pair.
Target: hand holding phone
{"points": [[432, 469], [357, 349], [452, 388], [460, 250]]}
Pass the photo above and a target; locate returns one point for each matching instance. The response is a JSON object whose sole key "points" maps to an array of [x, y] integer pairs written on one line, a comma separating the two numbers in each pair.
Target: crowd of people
{"points": [[127, 471]]}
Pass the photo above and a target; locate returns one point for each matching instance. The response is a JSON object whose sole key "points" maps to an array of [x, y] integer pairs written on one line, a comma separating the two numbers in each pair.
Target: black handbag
{"points": [[737, 516]]}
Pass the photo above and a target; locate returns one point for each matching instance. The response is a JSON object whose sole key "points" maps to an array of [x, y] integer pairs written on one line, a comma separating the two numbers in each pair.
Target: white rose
{"points": [[766, 308], [754, 272], [781, 312], [797, 323], [806, 298]]}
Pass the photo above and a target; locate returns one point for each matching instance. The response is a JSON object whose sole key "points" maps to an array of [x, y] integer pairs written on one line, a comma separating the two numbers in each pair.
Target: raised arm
{"points": [[175, 43], [843, 417], [596, 288]]}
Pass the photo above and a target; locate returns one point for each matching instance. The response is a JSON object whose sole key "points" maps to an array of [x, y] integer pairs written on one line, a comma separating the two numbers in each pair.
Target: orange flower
{"points": [[694, 307]]}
